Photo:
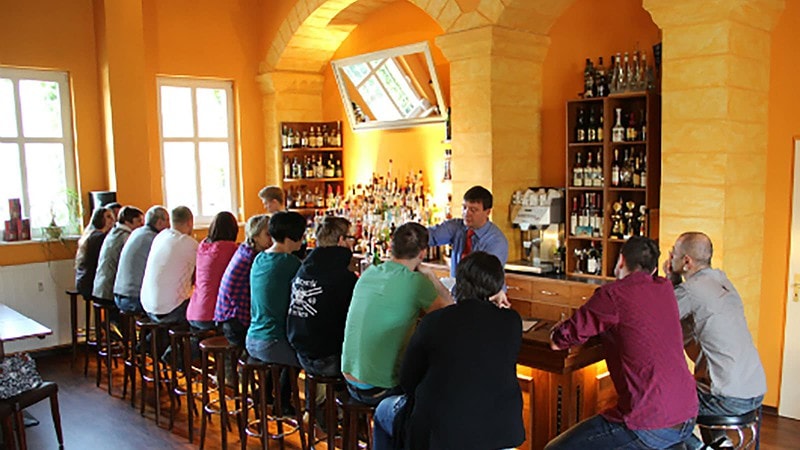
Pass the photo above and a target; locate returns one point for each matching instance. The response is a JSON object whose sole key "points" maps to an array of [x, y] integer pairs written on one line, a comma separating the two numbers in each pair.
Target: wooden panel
{"points": [[581, 292], [519, 287], [549, 291], [523, 307], [548, 311]]}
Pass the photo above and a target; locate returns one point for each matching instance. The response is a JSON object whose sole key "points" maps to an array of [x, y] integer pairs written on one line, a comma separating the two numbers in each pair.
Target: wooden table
{"points": [[15, 326]]}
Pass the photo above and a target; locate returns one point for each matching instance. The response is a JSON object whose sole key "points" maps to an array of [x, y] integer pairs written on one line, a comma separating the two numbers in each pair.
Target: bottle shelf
{"points": [[587, 275], [309, 208], [617, 240], [308, 180], [586, 238], [585, 188], [585, 144], [627, 189], [626, 143], [311, 149]]}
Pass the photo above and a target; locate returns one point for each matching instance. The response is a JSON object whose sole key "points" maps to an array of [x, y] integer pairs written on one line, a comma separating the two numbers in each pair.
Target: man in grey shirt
{"points": [[129, 219], [730, 377], [132, 261]]}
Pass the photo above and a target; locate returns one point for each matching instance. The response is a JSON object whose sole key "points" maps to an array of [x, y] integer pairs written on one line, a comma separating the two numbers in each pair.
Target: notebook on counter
{"points": [[528, 324]]}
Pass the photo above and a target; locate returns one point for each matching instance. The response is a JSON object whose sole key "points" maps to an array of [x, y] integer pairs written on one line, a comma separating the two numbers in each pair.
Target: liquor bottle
{"points": [[636, 75], [649, 78], [338, 170], [632, 130], [617, 75], [337, 140], [642, 126], [287, 168], [583, 219], [592, 260], [309, 168], [447, 157], [636, 177], [618, 132], [448, 130], [643, 172], [600, 81], [290, 139], [296, 169], [577, 172], [580, 127], [319, 168], [600, 124], [573, 217], [615, 169], [597, 178], [591, 130], [284, 137], [628, 74], [626, 170], [330, 169], [588, 171], [588, 79]]}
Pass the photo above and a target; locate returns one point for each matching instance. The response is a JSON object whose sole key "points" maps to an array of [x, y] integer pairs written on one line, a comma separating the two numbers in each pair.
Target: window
{"points": [[37, 163], [197, 146], [386, 88]]}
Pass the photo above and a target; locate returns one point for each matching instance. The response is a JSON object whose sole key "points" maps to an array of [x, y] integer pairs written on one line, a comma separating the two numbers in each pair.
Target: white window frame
{"points": [[194, 83], [66, 139]]}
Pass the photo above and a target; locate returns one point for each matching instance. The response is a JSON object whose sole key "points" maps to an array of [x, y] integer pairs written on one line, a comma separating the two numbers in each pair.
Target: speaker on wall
{"points": [[101, 198]]}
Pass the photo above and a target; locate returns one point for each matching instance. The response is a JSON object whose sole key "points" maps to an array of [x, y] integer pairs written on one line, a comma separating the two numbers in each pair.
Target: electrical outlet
{"points": [[40, 286]]}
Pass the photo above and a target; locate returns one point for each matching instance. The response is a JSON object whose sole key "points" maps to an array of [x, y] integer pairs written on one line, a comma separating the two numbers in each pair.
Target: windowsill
{"points": [[40, 241]]}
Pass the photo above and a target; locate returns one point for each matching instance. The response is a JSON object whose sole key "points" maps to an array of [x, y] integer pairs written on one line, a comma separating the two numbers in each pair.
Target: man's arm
{"points": [[597, 315], [443, 233], [444, 298]]}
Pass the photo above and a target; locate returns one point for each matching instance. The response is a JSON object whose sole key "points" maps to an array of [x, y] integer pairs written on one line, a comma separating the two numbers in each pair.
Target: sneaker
{"points": [[116, 334]]}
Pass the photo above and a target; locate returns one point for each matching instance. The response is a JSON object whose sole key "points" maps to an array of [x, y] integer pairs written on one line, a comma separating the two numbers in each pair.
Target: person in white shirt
{"points": [[167, 283]]}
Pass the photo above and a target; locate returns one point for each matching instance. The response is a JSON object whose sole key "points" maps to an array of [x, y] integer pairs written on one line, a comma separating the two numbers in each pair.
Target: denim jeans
{"points": [[718, 405], [127, 304], [235, 332], [597, 432], [371, 396], [383, 428]]}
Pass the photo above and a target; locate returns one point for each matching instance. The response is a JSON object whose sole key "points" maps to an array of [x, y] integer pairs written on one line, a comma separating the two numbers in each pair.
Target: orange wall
{"points": [[605, 28], [68, 45], [783, 126], [410, 149]]}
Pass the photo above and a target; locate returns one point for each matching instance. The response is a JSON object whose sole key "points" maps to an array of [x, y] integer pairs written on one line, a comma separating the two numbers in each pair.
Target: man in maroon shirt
{"points": [[637, 320]]}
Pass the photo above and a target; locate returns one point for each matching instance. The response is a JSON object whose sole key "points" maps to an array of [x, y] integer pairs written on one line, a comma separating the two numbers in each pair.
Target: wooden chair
{"points": [[19, 402]]}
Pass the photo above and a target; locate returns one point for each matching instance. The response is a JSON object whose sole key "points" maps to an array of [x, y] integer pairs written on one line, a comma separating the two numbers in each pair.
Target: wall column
{"points": [[288, 97], [496, 96], [715, 87], [124, 83]]}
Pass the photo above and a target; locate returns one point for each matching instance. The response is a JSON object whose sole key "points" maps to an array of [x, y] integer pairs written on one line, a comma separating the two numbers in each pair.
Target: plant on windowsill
{"points": [[52, 232]]}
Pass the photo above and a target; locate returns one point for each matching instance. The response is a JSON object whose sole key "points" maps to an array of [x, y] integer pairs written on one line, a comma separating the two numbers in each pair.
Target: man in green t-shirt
{"points": [[386, 303]]}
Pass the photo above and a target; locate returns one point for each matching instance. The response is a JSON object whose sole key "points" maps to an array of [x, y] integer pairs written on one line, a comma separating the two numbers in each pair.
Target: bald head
{"points": [[697, 246]]}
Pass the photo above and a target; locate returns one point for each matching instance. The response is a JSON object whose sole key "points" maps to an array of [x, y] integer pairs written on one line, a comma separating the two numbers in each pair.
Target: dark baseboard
{"points": [[769, 410], [51, 351]]}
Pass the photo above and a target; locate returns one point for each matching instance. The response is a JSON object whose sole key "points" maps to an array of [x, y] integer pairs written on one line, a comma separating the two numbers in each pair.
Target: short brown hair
{"points": [[330, 229], [408, 240], [272, 193], [128, 213], [181, 215]]}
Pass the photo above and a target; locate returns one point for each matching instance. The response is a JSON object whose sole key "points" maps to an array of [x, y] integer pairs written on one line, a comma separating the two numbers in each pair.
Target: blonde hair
{"points": [[330, 229], [254, 226]]}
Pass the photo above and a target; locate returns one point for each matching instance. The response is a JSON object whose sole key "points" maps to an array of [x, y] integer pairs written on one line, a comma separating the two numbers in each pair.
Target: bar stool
{"points": [[220, 349], [104, 346], [73, 323], [180, 342], [129, 354], [150, 373], [252, 368], [330, 384], [90, 333], [747, 421], [353, 411]]}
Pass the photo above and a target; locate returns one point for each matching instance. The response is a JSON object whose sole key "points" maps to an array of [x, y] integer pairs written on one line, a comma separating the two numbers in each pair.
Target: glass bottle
{"points": [[577, 172], [600, 81], [588, 79], [627, 75], [580, 127], [636, 75], [573, 217], [615, 169], [598, 170], [618, 132], [287, 168], [591, 129], [447, 157], [626, 170], [600, 124]]}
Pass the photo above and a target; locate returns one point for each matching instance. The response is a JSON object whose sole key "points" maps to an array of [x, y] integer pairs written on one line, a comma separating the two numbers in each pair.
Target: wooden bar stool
{"points": [[353, 411], [90, 334], [331, 422], [254, 368], [739, 424], [73, 323], [129, 354], [180, 342], [105, 347], [150, 373], [220, 349]]}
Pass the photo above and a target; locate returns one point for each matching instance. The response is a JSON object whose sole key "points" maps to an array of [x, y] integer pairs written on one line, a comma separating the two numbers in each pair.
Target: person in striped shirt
{"points": [[233, 301]]}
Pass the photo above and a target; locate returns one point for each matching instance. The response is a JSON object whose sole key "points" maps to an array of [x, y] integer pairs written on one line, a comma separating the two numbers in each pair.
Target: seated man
{"points": [[728, 371], [387, 301], [129, 219], [132, 260], [270, 292], [637, 320], [321, 293], [167, 282]]}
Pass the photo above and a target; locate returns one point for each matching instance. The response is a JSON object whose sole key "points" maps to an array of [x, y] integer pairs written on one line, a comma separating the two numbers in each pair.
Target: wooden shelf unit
{"points": [[649, 195]]}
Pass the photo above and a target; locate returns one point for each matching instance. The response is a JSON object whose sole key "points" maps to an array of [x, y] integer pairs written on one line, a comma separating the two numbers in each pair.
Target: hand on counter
{"points": [[553, 345], [500, 300]]}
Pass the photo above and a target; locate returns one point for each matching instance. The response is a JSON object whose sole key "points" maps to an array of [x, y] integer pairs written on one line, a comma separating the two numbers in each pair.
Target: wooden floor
{"points": [[91, 419]]}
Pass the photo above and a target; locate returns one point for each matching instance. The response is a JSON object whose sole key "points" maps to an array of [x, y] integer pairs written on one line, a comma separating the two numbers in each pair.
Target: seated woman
{"points": [[213, 256], [459, 372], [233, 299], [89, 245]]}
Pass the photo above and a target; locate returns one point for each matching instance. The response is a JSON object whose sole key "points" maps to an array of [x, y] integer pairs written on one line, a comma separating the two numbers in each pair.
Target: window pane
{"points": [[47, 184], [357, 72], [396, 81], [10, 181], [176, 112], [179, 175], [378, 101], [212, 113], [8, 114], [41, 108], [215, 178]]}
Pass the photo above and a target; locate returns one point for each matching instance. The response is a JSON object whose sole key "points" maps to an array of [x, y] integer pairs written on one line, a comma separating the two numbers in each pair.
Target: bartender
{"points": [[473, 232]]}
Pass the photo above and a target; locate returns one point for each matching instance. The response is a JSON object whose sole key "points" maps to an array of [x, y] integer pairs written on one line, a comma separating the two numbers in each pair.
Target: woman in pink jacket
{"points": [[213, 256]]}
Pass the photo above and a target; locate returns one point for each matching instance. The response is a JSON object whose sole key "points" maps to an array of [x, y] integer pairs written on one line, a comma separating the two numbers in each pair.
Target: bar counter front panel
{"points": [[560, 388]]}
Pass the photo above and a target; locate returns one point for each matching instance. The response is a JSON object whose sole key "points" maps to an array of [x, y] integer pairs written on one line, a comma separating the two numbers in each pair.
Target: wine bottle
{"points": [[615, 169], [591, 130], [573, 217], [600, 81], [287, 168], [636, 181], [284, 137], [599, 132], [598, 170], [588, 171], [580, 127], [592, 262], [626, 170], [618, 132], [577, 172], [628, 74], [588, 79]]}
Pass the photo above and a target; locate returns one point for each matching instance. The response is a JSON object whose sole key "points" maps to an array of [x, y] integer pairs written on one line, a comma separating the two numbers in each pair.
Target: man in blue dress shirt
{"points": [[473, 231]]}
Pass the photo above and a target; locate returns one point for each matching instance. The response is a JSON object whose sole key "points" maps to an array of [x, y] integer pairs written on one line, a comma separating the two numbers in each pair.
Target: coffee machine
{"points": [[538, 212]]}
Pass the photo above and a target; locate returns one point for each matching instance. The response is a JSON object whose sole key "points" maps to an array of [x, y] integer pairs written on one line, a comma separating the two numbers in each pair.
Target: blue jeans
{"points": [[383, 428], [129, 304], [597, 432], [718, 405]]}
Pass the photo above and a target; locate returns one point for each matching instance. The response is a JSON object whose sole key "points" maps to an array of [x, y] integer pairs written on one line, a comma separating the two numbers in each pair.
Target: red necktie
{"points": [[468, 243]]}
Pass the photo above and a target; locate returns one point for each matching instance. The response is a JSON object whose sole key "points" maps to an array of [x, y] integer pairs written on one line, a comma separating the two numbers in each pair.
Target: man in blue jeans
{"points": [[728, 371], [637, 320]]}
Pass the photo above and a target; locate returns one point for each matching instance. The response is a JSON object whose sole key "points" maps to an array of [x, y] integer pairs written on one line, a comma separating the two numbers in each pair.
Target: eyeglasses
{"points": [[350, 238]]}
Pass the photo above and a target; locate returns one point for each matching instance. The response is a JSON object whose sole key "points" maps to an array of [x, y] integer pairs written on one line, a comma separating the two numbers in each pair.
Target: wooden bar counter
{"points": [[559, 388]]}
